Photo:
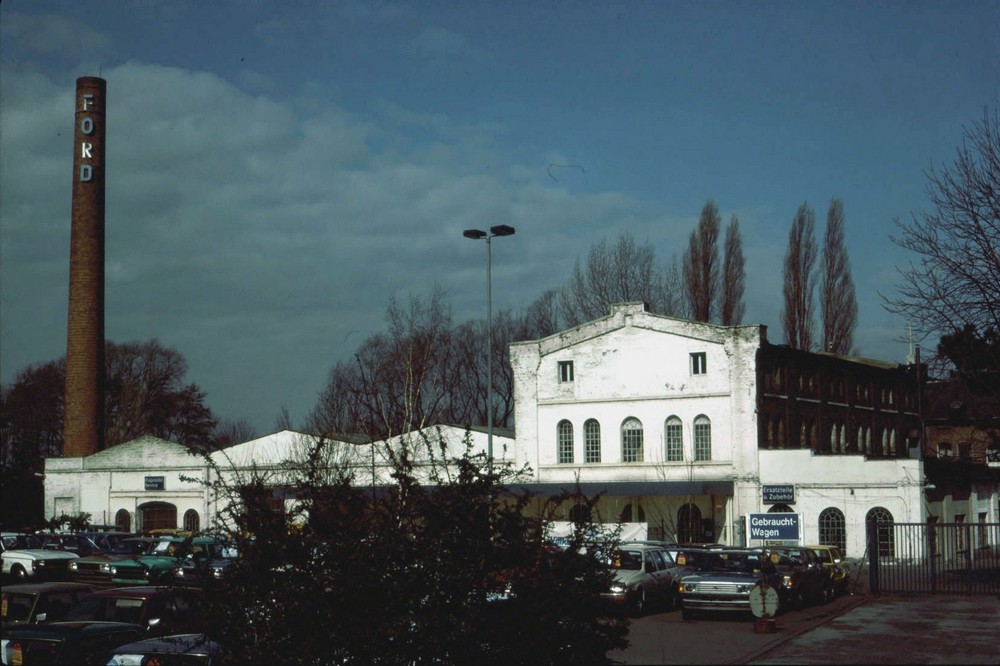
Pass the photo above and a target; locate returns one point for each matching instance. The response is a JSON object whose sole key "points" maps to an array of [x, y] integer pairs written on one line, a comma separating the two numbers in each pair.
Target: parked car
{"points": [[199, 566], [96, 569], [644, 574], [187, 649], [65, 643], [723, 580], [26, 559], [803, 578], [831, 558], [39, 602], [81, 544], [158, 565], [161, 610]]}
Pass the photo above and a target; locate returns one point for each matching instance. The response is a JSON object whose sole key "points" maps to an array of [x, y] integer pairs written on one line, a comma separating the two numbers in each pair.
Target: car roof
{"points": [[50, 586], [48, 629], [136, 591], [192, 644]]}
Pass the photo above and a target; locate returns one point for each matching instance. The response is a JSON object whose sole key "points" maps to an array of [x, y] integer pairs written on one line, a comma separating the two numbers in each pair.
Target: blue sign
{"points": [[154, 483], [774, 526], [783, 494]]}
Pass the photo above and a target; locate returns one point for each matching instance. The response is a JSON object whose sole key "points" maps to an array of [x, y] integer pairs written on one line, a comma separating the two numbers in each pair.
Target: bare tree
{"points": [[956, 280], [701, 264], [800, 261], [838, 301], [233, 431], [624, 272], [733, 276], [541, 318]]}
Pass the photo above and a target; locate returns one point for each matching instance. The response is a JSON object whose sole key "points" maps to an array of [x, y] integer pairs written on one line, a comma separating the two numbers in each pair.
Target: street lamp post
{"points": [[477, 234]]}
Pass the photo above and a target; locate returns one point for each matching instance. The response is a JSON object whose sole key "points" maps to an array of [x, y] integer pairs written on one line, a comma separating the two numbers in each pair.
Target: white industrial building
{"points": [[686, 427]]}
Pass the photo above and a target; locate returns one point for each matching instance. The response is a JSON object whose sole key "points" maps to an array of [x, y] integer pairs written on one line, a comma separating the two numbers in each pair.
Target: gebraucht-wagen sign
{"points": [[774, 526]]}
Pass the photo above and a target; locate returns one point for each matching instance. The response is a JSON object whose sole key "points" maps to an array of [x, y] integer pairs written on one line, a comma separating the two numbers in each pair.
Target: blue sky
{"points": [[278, 170]]}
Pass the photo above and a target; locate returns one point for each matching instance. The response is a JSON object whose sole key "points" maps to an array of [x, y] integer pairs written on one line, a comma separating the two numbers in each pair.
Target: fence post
{"points": [[873, 578]]}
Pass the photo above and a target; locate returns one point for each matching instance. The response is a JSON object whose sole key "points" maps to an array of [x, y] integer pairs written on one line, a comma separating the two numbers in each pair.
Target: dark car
{"points": [[210, 564], [804, 579], [65, 643], [96, 569], [724, 579], [39, 602], [161, 610], [187, 649]]}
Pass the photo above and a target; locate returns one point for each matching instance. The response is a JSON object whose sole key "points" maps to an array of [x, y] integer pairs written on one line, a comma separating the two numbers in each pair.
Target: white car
{"points": [[25, 559]]}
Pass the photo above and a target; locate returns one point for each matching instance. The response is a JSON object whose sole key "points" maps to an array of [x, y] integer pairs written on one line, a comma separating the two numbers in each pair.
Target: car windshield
{"points": [[15, 541], [727, 561], [628, 560], [689, 558], [16, 607], [169, 548], [133, 547], [825, 556]]}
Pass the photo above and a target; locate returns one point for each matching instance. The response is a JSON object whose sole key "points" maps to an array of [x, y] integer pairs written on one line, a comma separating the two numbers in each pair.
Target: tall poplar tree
{"points": [[837, 298], [800, 261], [701, 264], [733, 276]]}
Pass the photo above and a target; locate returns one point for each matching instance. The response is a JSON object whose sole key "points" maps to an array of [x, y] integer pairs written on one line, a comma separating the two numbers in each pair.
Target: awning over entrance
{"points": [[629, 488]]}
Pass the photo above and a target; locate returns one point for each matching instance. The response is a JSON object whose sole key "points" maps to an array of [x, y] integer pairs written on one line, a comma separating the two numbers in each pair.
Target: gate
{"points": [[934, 558]]}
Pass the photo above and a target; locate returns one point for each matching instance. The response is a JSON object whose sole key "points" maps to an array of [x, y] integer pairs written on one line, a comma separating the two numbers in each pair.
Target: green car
{"points": [[157, 566]]}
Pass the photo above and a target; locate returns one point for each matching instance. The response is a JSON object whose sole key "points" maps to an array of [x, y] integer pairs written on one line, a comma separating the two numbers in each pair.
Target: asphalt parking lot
{"points": [[851, 630]]}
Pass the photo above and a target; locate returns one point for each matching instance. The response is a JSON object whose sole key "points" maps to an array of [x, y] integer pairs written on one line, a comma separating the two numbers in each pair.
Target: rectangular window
{"points": [[703, 441], [565, 449], [565, 371], [632, 442], [699, 364], [675, 443]]}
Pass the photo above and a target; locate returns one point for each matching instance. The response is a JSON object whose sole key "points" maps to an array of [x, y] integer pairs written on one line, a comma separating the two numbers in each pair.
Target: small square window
{"points": [[699, 364], [565, 371]]}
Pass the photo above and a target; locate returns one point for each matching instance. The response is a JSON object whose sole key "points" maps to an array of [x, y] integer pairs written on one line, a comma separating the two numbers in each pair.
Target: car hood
{"points": [[43, 554], [722, 577]]}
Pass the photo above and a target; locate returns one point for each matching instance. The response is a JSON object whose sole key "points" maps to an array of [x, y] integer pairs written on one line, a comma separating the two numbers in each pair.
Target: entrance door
{"points": [[157, 516]]}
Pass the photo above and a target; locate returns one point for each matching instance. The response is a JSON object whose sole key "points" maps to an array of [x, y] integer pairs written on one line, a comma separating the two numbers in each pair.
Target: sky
{"points": [[278, 171]]}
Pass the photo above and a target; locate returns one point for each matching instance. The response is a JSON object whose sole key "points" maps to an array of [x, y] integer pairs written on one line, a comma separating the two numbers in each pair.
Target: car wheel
{"points": [[639, 602], [19, 572]]}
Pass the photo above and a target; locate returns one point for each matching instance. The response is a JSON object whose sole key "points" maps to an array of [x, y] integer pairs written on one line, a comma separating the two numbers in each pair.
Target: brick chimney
{"points": [[83, 428]]}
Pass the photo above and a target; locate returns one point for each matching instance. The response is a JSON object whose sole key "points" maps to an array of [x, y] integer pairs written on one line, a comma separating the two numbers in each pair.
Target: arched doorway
{"points": [[123, 520], [157, 516], [689, 525], [780, 508]]}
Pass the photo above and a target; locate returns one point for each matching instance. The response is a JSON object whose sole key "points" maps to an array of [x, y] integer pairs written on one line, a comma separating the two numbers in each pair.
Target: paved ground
{"points": [[897, 630]]}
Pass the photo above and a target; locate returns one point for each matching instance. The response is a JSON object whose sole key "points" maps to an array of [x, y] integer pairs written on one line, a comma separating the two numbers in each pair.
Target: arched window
{"points": [[881, 521], [632, 440], [191, 521], [674, 440], [689, 527], [592, 441], [780, 508], [123, 520], [833, 528], [565, 436], [702, 438]]}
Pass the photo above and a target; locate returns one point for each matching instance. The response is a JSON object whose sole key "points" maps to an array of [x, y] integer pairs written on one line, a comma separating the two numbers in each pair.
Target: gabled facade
{"points": [[683, 425]]}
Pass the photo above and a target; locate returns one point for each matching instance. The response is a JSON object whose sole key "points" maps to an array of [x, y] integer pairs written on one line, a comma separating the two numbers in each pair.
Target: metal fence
{"points": [[933, 558]]}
